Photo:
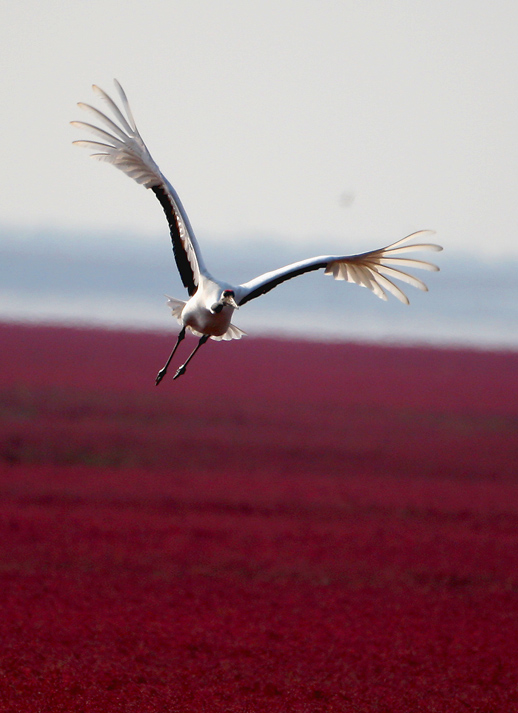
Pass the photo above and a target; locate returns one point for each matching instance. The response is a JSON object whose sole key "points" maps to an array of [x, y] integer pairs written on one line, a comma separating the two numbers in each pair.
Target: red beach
{"points": [[290, 526]]}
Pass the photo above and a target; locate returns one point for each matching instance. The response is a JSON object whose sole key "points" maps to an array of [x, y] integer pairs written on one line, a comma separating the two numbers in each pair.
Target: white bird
{"points": [[211, 304]]}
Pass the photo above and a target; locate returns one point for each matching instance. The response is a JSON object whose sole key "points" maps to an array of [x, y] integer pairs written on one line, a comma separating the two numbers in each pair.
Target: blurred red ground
{"points": [[288, 527]]}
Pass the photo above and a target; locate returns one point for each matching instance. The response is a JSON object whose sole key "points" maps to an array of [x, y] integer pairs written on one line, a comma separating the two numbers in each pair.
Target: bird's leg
{"points": [[162, 371], [182, 369]]}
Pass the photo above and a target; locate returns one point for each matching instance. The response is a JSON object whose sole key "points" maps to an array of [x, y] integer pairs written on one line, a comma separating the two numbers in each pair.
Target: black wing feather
{"points": [[182, 262], [263, 289]]}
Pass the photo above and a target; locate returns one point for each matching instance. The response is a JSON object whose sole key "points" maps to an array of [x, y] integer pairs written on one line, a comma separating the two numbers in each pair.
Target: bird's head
{"points": [[227, 299]]}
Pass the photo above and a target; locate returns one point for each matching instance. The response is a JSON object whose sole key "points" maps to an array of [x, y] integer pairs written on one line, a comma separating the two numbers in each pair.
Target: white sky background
{"points": [[263, 114]]}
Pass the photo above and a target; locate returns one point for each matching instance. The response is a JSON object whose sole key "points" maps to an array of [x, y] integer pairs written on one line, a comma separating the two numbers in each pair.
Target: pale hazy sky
{"points": [[264, 114]]}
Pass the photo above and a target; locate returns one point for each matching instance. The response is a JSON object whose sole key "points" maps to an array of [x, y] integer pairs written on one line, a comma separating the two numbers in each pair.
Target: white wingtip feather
{"points": [[373, 269], [122, 144]]}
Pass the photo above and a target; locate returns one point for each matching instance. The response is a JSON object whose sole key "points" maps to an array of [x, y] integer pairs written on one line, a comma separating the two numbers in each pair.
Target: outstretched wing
{"points": [[122, 145], [375, 270]]}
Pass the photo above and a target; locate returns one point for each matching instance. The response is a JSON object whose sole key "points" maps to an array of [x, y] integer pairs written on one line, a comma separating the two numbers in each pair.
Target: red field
{"points": [[288, 527]]}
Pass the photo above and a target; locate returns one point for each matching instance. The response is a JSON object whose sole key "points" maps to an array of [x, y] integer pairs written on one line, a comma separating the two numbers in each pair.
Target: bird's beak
{"points": [[231, 301]]}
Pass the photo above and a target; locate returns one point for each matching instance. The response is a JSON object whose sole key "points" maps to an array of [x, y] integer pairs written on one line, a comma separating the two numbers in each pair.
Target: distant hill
{"points": [[121, 280]]}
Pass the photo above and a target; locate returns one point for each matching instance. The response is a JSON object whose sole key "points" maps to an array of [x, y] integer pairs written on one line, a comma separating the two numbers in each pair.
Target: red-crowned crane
{"points": [[208, 311]]}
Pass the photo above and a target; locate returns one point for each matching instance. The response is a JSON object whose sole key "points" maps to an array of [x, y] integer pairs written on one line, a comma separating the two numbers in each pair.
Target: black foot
{"points": [[180, 371], [160, 376]]}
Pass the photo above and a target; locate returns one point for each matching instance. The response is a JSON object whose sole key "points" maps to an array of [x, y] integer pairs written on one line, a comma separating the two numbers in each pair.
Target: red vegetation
{"points": [[288, 527]]}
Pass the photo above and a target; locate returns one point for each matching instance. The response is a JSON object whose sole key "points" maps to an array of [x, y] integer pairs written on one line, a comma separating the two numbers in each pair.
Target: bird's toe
{"points": [[179, 372]]}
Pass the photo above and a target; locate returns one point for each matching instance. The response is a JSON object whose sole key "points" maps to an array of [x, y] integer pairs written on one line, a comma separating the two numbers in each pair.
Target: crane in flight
{"points": [[211, 304]]}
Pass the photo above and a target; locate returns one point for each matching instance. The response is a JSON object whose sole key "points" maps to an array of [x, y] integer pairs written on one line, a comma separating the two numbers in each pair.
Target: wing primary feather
{"points": [[410, 248], [113, 141], [94, 145], [126, 105], [413, 236], [114, 108], [403, 276], [407, 262], [388, 285], [102, 118]]}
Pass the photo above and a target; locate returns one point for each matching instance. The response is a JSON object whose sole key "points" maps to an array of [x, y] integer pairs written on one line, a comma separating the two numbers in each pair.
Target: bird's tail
{"points": [[232, 332], [176, 306]]}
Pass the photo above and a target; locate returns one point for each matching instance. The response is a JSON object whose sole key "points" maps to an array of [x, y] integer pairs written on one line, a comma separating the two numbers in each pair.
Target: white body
{"points": [[196, 314]]}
